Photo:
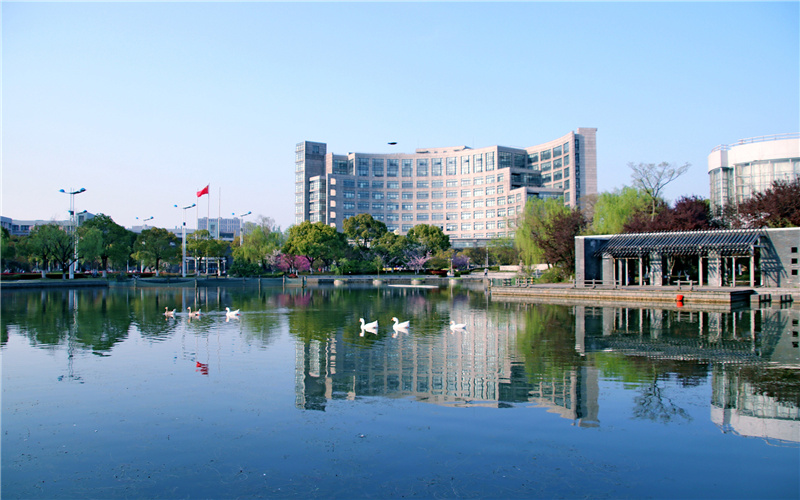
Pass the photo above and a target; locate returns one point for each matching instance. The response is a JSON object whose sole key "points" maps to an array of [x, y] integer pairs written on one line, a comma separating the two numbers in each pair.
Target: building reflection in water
{"points": [[476, 367], [752, 357]]}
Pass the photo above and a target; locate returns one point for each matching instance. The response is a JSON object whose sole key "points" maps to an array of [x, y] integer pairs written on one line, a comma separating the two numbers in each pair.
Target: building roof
{"points": [[726, 242]]}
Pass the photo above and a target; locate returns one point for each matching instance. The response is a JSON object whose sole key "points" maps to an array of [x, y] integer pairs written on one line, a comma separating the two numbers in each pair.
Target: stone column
{"points": [[714, 269], [608, 269], [656, 271]]}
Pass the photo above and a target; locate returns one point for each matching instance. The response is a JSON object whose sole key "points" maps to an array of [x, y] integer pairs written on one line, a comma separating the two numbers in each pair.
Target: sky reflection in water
{"points": [[105, 397]]}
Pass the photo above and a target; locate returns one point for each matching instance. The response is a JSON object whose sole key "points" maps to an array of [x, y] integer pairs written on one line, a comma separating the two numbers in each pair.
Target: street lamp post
{"points": [[144, 226], [242, 216], [74, 225], [183, 238]]}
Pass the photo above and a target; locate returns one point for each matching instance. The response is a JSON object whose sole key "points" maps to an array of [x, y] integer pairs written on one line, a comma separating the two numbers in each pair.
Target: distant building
{"points": [[221, 229], [737, 171], [23, 227], [473, 195]]}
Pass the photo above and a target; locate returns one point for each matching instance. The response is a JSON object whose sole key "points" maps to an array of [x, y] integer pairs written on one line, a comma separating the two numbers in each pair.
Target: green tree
{"points": [[503, 252], [315, 241], [547, 233], [44, 242], [363, 229], [614, 209], [104, 240], [155, 246], [258, 246], [391, 247], [428, 238]]}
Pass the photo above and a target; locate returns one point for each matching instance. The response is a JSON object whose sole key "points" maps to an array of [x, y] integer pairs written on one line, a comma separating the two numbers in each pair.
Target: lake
{"points": [[105, 397]]}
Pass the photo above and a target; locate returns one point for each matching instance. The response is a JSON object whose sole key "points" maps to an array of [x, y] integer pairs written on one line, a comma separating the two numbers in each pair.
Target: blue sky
{"points": [[143, 104]]}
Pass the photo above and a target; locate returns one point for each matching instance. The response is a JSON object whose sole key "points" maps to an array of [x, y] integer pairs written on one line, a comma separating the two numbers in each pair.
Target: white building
{"points": [[737, 171]]}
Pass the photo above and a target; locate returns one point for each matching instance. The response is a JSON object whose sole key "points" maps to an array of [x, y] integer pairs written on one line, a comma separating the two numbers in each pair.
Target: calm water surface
{"points": [[104, 397]]}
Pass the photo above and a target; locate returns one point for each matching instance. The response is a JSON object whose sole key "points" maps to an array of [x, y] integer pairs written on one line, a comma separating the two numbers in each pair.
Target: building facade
{"points": [[220, 228], [737, 171], [23, 227], [473, 195]]}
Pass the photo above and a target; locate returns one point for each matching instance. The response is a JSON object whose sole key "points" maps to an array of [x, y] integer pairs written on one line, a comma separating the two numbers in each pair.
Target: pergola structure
{"points": [[649, 258]]}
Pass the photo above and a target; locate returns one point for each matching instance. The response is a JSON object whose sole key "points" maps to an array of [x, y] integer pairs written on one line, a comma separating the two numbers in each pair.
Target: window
{"points": [[349, 205], [437, 184], [423, 195], [477, 163], [533, 158], [490, 161], [408, 168], [489, 202], [349, 195], [465, 192], [407, 227], [437, 216], [391, 227], [477, 192], [391, 168], [392, 195], [557, 151], [452, 183], [348, 215], [501, 201], [392, 217], [363, 206], [511, 211], [505, 159], [422, 184], [363, 195], [566, 160], [490, 225], [477, 204], [437, 205], [451, 227], [500, 177], [501, 212], [451, 166], [422, 167], [436, 167], [501, 189], [422, 216], [546, 154], [408, 216], [557, 163], [408, 206], [478, 215], [436, 195], [452, 216], [408, 185], [392, 206], [407, 195], [466, 204], [452, 194], [466, 215], [466, 182], [393, 185], [490, 214], [422, 206], [377, 206], [378, 217], [490, 191], [363, 184], [363, 167], [478, 226], [340, 167], [465, 165], [377, 184], [377, 195], [478, 181], [377, 167], [466, 226], [566, 147]]}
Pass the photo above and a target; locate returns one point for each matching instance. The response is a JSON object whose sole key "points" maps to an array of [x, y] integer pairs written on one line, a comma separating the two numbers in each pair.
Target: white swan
{"points": [[195, 314], [399, 326], [368, 326], [457, 326], [231, 314], [168, 313]]}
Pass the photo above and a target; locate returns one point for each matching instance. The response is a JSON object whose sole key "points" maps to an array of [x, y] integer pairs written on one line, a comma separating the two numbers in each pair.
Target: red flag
{"points": [[203, 191]]}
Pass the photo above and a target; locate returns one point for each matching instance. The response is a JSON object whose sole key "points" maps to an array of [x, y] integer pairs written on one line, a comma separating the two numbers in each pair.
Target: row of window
{"points": [[436, 205], [477, 214], [424, 195], [549, 153], [379, 184]]}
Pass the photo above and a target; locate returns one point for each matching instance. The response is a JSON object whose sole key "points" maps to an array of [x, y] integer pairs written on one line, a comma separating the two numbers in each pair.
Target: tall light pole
{"points": [[144, 226], [183, 238], [74, 224], [242, 216]]}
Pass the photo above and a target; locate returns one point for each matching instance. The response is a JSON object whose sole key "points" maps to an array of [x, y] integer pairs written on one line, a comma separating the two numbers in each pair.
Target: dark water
{"points": [[104, 397]]}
